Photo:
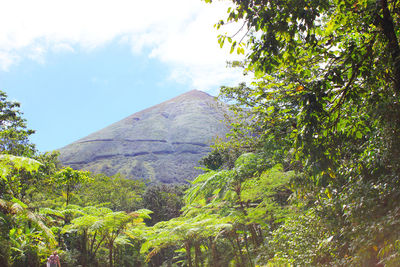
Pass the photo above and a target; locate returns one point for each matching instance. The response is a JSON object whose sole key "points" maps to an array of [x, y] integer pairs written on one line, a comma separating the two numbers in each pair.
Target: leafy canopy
{"points": [[14, 135]]}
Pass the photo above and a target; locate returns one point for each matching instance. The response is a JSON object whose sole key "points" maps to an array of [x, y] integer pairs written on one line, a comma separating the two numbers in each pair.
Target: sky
{"points": [[76, 66]]}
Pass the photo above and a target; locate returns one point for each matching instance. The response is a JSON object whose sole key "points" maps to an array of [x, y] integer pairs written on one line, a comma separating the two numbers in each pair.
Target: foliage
{"points": [[39, 188], [14, 136], [96, 227], [27, 237], [69, 179], [21, 243], [188, 233], [325, 102], [164, 200], [115, 192], [225, 214], [9, 164]]}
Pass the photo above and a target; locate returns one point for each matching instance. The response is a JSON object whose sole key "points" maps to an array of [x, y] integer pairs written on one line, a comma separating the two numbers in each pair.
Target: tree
{"points": [[164, 200], [253, 196], [16, 217], [11, 167], [14, 135], [69, 179], [115, 192], [101, 226], [187, 232], [116, 222]]}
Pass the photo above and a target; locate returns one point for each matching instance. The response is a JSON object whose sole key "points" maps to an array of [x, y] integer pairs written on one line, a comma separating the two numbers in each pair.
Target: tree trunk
{"points": [[110, 253], [242, 259], [197, 254], [67, 193], [254, 235], [188, 254], [234, 250], [214, 253], [3, 261], [84, 249], [247, 249]]}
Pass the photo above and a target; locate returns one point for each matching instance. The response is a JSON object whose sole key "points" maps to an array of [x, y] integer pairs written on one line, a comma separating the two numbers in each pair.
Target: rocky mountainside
{"points": [[162, 143]]}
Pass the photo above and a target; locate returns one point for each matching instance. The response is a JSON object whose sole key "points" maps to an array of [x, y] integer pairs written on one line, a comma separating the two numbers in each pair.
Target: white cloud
{"points": [[7, 59], [179, 33], [63, 47]]}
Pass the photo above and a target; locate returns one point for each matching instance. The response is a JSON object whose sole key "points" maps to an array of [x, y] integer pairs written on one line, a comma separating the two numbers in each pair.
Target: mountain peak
{"points": [[193, 97], [195, 94]]}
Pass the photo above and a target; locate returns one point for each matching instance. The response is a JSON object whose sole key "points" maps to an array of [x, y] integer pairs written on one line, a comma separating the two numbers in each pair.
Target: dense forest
{"points": [[308, 175]]}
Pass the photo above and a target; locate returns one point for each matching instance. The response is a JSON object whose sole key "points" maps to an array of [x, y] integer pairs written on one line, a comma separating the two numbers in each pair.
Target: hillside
{"points": [[162, 143]]}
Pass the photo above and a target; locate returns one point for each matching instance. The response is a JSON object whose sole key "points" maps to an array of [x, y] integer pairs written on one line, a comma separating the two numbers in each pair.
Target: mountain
{"points": [[162, 143]]}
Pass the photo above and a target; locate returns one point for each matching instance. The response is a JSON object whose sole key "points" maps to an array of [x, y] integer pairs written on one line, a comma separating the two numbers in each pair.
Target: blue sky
{"points": [[76, 76]]}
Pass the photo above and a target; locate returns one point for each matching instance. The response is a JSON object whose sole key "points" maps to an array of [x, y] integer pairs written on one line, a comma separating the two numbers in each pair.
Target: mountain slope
{"points": [[162, 143]]}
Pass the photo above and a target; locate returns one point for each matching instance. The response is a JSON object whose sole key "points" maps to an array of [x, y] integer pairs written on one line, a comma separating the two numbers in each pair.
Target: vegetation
{"points": [[309, 175]]}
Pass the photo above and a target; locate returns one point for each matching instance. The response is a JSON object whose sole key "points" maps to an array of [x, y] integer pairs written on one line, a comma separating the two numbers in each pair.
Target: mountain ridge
{"points": [[160, 143]]}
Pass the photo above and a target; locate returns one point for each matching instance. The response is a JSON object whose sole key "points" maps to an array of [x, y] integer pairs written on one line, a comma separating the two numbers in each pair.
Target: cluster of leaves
{"points": [[14, 136], [23, 234]]}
